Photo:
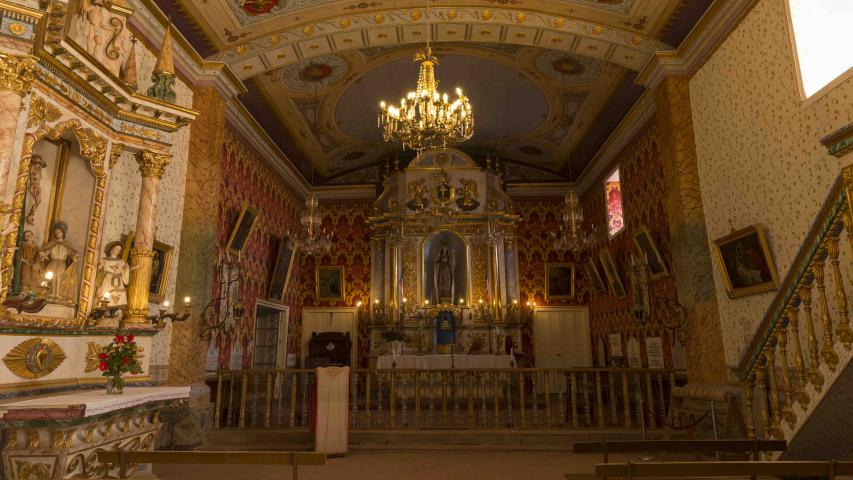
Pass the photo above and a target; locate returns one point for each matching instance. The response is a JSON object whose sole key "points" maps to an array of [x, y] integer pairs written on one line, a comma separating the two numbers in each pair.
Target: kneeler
{"points": [[331, 410]]}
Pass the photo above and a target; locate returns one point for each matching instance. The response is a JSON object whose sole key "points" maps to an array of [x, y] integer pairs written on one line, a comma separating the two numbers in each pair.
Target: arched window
{"points": [[822, 39], [613, 203]]}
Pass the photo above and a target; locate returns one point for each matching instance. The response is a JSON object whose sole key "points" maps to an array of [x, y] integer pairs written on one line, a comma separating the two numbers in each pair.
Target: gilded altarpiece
{"points": [[442, 231]]}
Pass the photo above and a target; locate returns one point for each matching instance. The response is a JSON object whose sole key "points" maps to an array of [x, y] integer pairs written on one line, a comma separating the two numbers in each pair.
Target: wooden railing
{"points": [[806, 327], [453, 399]]}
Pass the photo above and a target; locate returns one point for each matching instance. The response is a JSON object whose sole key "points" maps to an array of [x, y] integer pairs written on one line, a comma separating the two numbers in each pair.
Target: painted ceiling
{"points": [[549, 80]]}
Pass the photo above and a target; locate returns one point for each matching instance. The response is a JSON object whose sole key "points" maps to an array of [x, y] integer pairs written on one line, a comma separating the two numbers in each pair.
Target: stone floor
{"points": [[406, 465]]}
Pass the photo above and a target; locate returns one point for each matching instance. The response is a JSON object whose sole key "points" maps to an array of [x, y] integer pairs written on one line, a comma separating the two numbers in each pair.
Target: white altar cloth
{"points": [[96, 402], [445, 362]]}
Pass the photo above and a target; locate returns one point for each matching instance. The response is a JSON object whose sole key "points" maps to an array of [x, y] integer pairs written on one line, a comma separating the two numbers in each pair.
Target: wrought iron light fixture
{"points": [[426, 118]]}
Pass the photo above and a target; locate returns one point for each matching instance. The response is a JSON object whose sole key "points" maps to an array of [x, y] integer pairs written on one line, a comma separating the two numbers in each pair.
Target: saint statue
{"points": [[444, 274], [113, 276], [59, 257], [31, 275]]}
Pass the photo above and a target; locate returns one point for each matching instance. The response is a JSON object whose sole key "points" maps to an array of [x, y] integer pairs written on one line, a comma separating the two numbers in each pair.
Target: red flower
{"points": [[102, 356], [126, 360], [130, 338], [102, 366], [119, 339]]}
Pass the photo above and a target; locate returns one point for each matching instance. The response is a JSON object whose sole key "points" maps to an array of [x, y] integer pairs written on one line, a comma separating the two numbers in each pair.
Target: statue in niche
{"points": [[113, 276], [417, 195], [444, 274], [59, 257], [467, 197], [31, 274]]}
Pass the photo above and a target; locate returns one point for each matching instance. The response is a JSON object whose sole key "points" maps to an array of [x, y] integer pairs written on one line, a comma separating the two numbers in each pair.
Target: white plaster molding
{"points": [[555, 189]]}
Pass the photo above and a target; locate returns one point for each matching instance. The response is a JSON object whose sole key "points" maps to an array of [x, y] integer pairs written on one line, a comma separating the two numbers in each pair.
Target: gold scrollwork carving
{"points": [[118, 26], [115, 153], [17, 73], [152, 164], [39, 471], [41, 111], [92, 360], [33, 439], [34, 358]]}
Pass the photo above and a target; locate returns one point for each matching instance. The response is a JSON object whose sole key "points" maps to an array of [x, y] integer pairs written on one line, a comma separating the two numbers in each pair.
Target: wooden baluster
{"points": [[845, 335], [660, 408], [431, 398], [418, 397], [392, 399], [380, 414], [574, 393], [243, 392], [587, 408], [561, 391], [815, 376], [353, 380], [546, 389], [232, 399], [455, 389], [279, 381], [469, 379], [599, 399], [639, 396], [650, 402], [253, 413], [614, 404], [827, 351], [521, 388], [775, 408], [404, 399], [293, 396], [508, 379], [496, 397], [761, 379], [368, 409], [793, 315], [268, 401], [306, 390], [444, 400], [749, 406], [534, 397], [218, 405], [626, 400], [787, 387], [483, 382]]}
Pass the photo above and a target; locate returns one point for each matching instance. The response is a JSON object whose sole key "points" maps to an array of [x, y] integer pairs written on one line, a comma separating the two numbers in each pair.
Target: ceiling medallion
{"points": [[345, 22], [486, 14], [426, 118], [258, 7], [379, 18], [34, 358], [559, 22], [451, 14], [308, 30], [275, 39]]}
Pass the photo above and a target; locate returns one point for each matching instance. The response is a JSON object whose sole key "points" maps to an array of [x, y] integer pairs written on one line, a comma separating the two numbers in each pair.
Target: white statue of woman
{"points": [[113, 276], [60, 258], [444, 273]]}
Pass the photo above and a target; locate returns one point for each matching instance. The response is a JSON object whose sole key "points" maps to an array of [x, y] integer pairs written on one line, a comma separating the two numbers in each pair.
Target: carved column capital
{"points": [[17, 73], [152, 164]]}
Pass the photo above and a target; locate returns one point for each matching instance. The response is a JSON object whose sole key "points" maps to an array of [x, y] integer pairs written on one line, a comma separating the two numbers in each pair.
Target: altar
{"points": [[445, 362]]}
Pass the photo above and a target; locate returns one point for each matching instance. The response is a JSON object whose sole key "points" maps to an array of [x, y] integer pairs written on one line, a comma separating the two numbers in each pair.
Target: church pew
{"points": [[802, 469], [125, 459]]}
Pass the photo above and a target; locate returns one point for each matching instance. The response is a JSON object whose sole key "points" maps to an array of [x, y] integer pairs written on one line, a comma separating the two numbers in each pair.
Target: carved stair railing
{"points": [[805, 338]]}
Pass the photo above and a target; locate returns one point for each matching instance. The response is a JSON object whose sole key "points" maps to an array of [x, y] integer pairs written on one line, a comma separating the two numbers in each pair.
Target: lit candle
{"points": [[461, 301], [426, 302], [481, 300], [49, 275], [186, 300], [358, 304], [515, 302], [165, 304], [376, 302], [404, 299]]}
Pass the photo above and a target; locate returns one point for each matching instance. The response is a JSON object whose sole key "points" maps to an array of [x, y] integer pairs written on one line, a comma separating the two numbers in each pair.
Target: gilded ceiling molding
{"points": [[840, 142]]}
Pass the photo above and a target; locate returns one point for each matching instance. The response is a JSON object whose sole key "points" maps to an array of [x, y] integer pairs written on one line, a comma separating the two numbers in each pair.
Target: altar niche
{"points": [[60, 191], [445, 268]]}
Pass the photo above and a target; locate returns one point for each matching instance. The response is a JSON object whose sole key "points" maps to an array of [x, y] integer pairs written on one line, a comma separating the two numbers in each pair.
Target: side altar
{"points": [[444, 273]]}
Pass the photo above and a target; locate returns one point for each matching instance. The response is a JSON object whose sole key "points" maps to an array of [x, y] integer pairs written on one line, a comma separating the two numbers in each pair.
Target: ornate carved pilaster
{"points": [[17, 73], [152, 166]]}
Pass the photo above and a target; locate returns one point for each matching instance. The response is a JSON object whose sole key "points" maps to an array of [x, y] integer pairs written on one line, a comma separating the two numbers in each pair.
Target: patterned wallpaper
{"points": [[759, 157], [247, 180], [641, 175]]}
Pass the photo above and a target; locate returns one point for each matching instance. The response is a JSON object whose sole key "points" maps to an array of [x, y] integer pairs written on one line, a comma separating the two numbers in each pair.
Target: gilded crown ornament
{"points": [[426, 118]]}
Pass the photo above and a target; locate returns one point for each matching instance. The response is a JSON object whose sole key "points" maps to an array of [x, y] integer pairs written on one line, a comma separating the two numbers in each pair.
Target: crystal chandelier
{"points": [[427, 118], [313, 238], [572, 236]]}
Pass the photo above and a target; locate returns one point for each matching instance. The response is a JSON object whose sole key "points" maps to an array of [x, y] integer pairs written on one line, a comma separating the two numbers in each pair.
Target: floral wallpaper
{"points": [[758, 149]]}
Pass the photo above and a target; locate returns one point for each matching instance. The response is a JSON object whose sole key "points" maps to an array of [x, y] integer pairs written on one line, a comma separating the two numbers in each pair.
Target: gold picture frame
{"points": [[745, 262], [282, 268], [329, 284], [242, 230], [559, 281], [612, 274], [648, 248], [594, 275], [161, 266]]}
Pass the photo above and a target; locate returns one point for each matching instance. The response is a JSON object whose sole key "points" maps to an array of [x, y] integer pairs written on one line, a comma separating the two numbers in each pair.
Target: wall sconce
{"points": [[103, 310], [159, 320]]}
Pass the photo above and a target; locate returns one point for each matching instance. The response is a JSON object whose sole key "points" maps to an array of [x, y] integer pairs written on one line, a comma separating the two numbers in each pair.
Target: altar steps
{"points": [[556, 440]]}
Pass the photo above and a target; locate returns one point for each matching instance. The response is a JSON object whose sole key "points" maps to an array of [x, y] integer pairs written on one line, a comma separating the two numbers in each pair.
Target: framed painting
{"points": [[745, 262], [646, 245], [242, 230], [559, 281], [612, 274], [281, 270], [160, 266], [594, 275], [329, 284]]}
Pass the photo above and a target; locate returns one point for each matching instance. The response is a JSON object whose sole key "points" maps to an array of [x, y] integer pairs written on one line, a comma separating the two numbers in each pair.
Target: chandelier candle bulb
{"points": [[48, 276]]}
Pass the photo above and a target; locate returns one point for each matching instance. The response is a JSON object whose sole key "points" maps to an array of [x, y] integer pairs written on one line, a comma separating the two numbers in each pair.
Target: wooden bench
{"points": [[124, 460], [725, 469]]}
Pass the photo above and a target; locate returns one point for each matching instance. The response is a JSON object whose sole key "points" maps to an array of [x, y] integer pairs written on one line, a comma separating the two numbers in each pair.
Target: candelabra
{"points": [[313, 238], [571, 235], [159, 320]]}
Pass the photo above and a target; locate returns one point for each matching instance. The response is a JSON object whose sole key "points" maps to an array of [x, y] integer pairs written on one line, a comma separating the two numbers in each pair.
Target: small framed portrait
{"points": [[329, 283], [242, 230], [611, 272], [646, 245], [281, 269], [161, 265], [559, 281], [594, 275], [745, 262]]}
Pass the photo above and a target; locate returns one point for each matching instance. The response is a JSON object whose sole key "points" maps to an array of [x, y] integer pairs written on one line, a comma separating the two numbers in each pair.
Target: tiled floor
{"points": [[412, 465]]}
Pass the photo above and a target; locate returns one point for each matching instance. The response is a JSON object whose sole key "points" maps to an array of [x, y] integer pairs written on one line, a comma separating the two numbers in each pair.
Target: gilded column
{"points": [[152, 166], [17, 73], [394, 271], [494, 280], [691, 256]]}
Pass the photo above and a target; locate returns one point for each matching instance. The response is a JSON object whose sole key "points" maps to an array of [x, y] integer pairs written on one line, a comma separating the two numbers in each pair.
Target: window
{"points": [[613, 203], [822, 36]]}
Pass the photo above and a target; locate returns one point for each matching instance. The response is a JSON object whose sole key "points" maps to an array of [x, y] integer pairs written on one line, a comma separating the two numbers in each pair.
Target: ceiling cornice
{"points": [[715, 25], [345, 192], [550, 189]]}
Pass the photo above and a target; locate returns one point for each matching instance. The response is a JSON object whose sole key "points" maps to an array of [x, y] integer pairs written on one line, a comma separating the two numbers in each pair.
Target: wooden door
{"points": [[328, 320], [561, 337]]}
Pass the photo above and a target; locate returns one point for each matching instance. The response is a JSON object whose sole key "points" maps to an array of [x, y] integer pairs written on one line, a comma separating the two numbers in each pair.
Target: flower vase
{"points": [[115, 385]]}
